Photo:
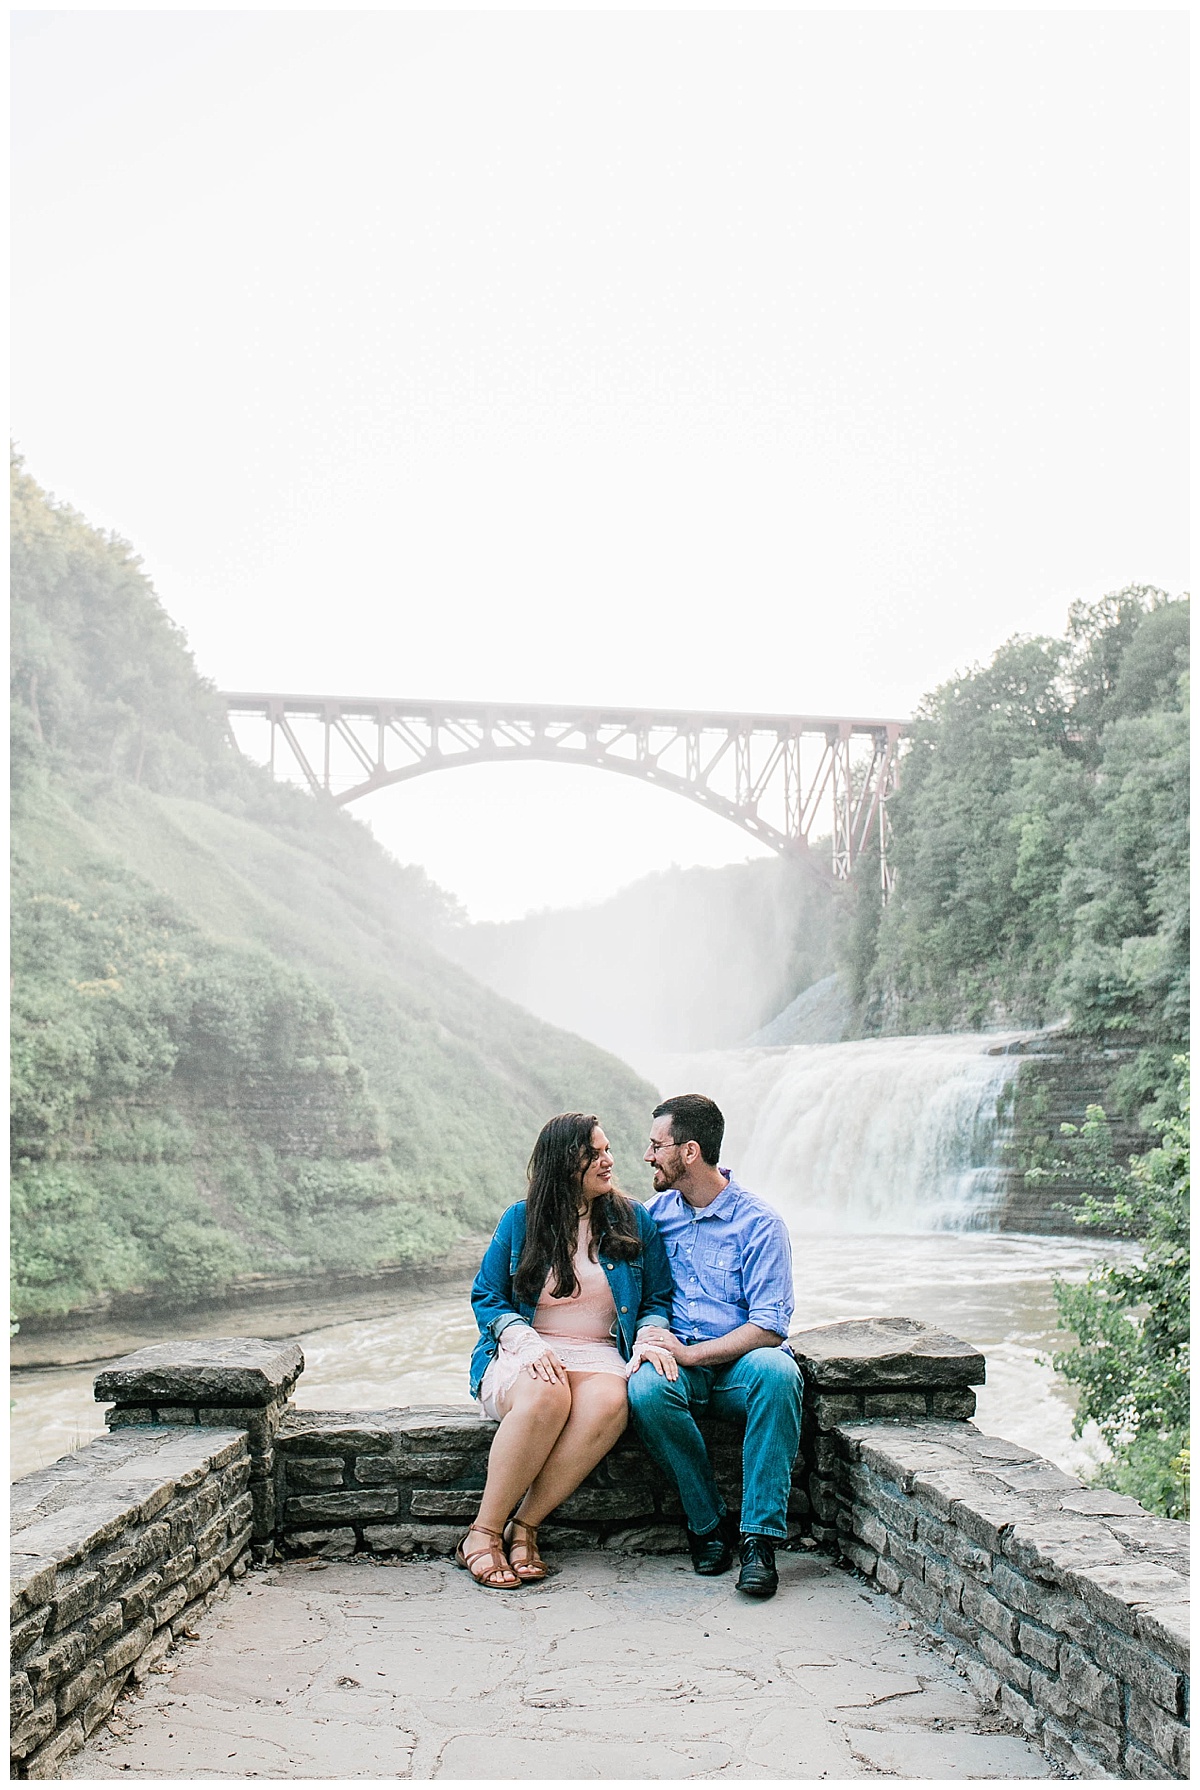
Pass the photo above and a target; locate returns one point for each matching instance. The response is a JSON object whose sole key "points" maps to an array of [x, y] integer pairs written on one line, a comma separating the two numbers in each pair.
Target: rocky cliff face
{"points": [[1059, 1078]]}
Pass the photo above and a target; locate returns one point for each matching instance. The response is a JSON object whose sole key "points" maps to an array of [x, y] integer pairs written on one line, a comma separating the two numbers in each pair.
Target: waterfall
{"points": [[892, 1134]]}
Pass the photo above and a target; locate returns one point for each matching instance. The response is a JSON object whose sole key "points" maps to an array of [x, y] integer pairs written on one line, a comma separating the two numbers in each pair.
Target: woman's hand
{"points": [[547, 1366], [534, 1354], [661, 1360]]}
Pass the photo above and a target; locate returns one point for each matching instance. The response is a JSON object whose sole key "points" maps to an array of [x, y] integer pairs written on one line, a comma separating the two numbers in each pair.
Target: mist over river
{"points": [[882, 1157]]}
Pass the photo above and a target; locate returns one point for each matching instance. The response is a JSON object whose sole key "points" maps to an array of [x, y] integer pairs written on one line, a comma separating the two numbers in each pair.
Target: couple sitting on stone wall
{"points": [[590, 1305]]}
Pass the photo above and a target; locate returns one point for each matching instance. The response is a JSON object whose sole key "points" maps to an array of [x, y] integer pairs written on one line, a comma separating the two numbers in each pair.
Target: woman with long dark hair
{"points": [[574, 1271]]}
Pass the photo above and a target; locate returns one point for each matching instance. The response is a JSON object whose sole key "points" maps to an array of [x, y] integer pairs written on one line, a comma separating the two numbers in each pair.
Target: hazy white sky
{"points": [[787, 360]]}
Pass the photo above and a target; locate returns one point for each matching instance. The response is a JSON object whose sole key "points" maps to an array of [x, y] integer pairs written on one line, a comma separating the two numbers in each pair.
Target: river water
{"points": [[881, 1156]]}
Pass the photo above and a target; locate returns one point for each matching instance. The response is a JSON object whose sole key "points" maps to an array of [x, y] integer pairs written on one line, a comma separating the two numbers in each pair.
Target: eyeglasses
{"points": [[652, 1149]]}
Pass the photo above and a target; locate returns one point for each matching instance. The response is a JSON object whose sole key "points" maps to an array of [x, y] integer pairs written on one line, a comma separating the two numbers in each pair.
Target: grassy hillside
{"points": [[236, 1048]]}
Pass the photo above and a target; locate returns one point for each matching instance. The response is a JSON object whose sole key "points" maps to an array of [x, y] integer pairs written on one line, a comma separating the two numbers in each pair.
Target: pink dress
{"points": [[579, 1330]]}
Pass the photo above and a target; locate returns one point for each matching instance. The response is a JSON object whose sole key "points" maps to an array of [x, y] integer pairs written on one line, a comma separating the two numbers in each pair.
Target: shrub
{"points": [[1131, 1361]]}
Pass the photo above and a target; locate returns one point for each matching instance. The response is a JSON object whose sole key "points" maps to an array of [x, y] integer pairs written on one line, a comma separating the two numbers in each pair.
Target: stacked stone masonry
{"points": [[408, 1481], [240, 1382], [1066, 1607], [115, 1549]]}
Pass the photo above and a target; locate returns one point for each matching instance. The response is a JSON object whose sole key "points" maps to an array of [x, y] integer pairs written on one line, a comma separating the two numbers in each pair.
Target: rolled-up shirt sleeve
{"points": [[522, 1341], [767, 1276], [505, 1321]]}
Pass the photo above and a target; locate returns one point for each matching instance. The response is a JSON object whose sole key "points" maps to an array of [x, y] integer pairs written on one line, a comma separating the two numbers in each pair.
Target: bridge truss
{"points": [[779, 777]]}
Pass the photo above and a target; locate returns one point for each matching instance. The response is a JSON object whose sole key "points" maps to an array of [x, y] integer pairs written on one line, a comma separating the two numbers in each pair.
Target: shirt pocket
{"points": [[723, 1270]]}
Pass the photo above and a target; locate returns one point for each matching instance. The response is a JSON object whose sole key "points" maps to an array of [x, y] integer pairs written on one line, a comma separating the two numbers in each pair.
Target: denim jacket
{"points": [[641, 1289]]}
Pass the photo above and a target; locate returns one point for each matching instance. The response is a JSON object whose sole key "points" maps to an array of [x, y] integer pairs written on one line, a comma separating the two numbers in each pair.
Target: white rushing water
{"points": [[891, 1134]]}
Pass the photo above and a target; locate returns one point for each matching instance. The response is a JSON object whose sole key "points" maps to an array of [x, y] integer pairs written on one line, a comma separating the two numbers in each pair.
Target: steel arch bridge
{"points": [[771, 775]]}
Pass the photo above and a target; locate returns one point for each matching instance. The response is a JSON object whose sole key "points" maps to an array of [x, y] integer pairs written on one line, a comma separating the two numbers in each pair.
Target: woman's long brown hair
{"points": [[561, 1157]]}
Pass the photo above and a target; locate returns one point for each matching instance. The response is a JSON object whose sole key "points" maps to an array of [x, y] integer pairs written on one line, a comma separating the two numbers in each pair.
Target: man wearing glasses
{"points": [[731, 1262]]}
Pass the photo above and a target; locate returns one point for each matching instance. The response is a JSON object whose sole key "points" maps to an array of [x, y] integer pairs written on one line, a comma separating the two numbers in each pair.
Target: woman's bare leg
{"points": [[536, 1413], [598, 1415]]}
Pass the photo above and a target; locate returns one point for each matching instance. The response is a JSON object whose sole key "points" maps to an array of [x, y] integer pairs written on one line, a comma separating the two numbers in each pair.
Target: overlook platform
{"points": [[228, 1586], [619, 1667]]}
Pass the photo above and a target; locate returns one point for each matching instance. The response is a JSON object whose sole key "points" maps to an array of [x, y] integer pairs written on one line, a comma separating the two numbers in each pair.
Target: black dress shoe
{"points": [[712, 1553], [758, 1577]]}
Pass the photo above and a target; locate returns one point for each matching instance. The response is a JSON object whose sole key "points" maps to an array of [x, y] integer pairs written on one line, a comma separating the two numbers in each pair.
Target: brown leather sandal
{"points": [[531, 1567], [497, 1562]]}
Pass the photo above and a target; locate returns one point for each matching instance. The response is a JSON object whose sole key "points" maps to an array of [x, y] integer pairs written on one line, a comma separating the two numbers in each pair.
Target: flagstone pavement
{"points": [[617, 1667]]}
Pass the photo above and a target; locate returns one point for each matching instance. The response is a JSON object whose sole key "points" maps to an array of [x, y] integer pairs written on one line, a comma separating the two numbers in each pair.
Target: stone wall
{"points": [[115, 1548], [1066, 1607], [238, 1383], [408, 1481]]}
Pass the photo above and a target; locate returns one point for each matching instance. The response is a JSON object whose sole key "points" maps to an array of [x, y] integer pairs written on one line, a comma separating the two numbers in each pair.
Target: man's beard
{"points": [[667, 1182]]}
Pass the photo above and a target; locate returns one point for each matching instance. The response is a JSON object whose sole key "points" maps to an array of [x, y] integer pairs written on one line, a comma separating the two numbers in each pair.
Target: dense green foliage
{"points": [[1131, 1359], [236, 1049], [1041, 840]]}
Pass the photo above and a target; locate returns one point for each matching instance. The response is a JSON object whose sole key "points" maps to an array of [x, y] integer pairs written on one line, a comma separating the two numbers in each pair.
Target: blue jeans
{"points": [[763, 1388]]}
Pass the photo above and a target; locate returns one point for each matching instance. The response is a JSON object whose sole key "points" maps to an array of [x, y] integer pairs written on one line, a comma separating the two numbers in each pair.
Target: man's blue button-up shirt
{"points": [[731, 1263]]}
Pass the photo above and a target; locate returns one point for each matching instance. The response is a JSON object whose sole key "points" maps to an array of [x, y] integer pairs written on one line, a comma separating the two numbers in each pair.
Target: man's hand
{"points": [[666, 1341], [660, 1358]]}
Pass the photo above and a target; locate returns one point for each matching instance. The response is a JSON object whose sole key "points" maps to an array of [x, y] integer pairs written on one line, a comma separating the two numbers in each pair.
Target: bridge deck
{"points": [[255, 702], [619, 1668]]}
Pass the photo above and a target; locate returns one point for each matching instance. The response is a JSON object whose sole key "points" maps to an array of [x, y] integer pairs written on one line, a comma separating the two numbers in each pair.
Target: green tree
{"points": [[955, 940], [102, 677], [1127, 654], [1041, 841], [1125, 887]]}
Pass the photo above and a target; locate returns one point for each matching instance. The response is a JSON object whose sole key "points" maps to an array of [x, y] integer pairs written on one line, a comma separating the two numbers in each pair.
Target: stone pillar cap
{"points": [[886, 1352], [238, 1370]]}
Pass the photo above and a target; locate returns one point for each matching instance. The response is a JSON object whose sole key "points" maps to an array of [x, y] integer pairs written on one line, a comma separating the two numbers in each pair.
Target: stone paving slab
{"points": [[619, 1667]]}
